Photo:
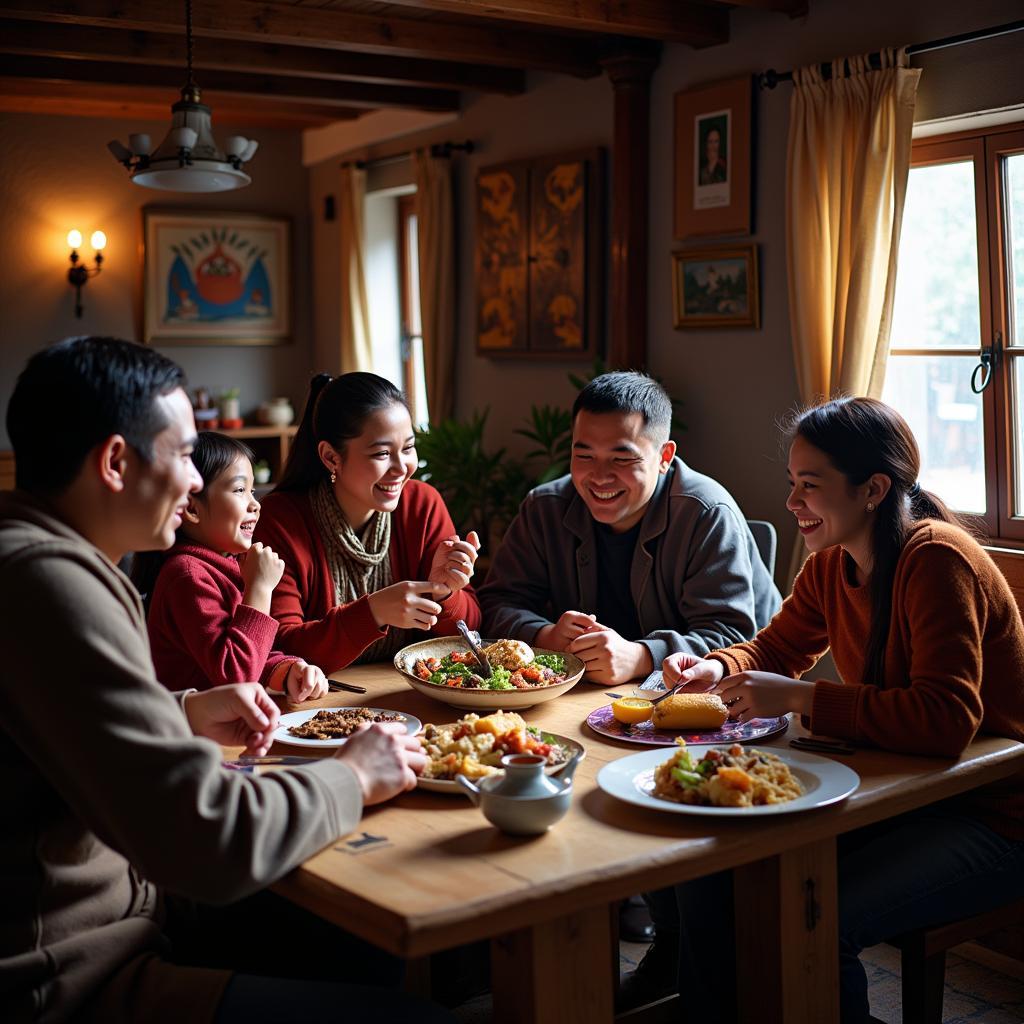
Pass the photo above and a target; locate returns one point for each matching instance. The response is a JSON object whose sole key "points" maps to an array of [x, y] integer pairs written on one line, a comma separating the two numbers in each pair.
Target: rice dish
{"points": [[726, 777]]}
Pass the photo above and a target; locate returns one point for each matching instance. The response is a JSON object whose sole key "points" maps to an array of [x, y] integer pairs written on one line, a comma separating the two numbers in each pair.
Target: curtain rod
{"points": [[771, 78], [439, 149]]}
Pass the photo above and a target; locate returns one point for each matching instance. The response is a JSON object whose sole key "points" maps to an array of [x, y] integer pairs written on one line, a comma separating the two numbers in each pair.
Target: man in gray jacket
{"points": [[633, 556], [630, 558], [111, 782]]}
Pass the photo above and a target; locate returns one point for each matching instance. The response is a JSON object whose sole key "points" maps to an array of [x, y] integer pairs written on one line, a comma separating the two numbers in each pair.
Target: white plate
{"points": [[825, 782], [281, 734], [572, 747]]}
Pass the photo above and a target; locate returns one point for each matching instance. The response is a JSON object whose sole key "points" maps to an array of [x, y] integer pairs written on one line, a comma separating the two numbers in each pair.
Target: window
{"points": [[955, 365], [392, 285]]}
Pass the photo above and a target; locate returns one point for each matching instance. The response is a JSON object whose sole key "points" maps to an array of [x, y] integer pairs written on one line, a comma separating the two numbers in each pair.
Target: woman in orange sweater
{"points": [[929, 643]]}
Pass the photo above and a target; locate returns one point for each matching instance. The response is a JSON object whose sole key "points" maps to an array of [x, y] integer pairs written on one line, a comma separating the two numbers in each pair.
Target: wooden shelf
{"points": [[270, 443]]}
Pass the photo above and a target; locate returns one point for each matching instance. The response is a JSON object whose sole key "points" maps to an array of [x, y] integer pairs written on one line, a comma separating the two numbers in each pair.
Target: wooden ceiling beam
{"points": [[794, 8], [326, 28], [675, 21], [76, 99], [156, 50], [257, 87]]}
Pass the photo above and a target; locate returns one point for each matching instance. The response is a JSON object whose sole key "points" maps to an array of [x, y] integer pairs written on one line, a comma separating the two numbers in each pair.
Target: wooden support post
{"points": [[788, 973], [533, 979], [630, 75]]}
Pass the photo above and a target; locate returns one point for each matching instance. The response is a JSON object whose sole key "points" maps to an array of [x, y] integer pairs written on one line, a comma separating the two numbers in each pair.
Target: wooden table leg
{"points": [[787, 946], [556, 972]]}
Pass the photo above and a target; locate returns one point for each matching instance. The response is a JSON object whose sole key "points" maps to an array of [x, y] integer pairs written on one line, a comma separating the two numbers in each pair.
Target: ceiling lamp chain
{"points": [[188, 159]]}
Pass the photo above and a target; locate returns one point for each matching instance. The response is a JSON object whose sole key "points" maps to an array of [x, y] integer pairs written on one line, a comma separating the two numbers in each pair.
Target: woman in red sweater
{"points": [[370, 554], [928, 640], [208, 598]]}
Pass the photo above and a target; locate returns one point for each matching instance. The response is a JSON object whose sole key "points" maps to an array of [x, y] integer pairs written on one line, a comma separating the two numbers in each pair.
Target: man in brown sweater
{"points": [[114, 786]]}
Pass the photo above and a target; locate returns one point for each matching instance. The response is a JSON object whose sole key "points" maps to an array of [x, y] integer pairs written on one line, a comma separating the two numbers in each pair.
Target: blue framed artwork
{"points": [[215, 278]]}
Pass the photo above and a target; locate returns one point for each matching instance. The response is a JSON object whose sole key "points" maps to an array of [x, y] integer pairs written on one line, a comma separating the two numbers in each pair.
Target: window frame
{"points": [[984, 148], [405, 211]]}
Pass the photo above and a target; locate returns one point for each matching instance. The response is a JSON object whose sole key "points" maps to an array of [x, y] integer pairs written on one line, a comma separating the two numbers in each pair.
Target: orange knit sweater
{"points": [[954, 662]]}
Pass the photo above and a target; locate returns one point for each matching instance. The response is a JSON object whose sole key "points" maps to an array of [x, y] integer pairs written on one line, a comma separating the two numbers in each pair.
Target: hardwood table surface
{"points": [[426, 871]]}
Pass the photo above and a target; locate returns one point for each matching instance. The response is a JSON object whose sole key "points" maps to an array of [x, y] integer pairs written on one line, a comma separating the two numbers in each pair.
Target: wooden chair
{"points": [[923, 958], [923, 952]]}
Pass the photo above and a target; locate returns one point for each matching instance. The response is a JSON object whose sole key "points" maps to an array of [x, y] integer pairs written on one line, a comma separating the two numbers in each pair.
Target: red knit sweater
{"points": [[954, 662], [311, 624], [200, 633]]}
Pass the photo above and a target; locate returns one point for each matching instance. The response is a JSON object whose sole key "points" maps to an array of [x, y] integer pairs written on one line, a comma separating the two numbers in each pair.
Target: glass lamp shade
{"points": [[208, 169], [98, 241], [74, 238]]}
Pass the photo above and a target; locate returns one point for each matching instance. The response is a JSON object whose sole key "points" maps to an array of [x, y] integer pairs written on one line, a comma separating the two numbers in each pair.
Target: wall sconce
{"points": [[79, 274]]}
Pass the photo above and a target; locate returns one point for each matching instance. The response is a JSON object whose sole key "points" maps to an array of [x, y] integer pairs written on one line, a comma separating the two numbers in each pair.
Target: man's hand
{"points": [[610, 658], [304, 682], [556, 636], [386, 760], [698, 674], [454, 560], [764, 695], [241, 714]]}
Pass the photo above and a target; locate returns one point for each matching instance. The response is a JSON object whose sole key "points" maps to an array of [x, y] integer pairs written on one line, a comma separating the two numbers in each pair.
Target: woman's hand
{"points": [[454, 560], [409, 605], [698, 674], [262, 569], [241, 714], [385, 758], [764, 695], [304, 682]]}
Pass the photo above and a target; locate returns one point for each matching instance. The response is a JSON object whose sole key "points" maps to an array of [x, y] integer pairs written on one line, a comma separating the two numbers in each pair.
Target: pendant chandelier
{"points": [[188, 160]]}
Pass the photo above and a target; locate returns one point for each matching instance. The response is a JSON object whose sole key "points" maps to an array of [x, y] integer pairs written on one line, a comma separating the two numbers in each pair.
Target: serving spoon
{"points": [[474, 646]]}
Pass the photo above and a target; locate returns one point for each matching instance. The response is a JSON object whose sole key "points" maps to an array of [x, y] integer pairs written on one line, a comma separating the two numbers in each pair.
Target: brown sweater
{"points": [[954, 662], [106, 791]]}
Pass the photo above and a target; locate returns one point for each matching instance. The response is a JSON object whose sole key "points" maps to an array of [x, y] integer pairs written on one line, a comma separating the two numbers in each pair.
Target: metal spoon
{"points": [[474, 646]]}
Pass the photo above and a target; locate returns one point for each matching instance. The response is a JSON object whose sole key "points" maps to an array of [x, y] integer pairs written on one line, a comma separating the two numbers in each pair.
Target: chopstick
{"points": [[337, 684]]}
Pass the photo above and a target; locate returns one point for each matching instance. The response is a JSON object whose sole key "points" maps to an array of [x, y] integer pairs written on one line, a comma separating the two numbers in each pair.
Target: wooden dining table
{"points": [[426, 872]]}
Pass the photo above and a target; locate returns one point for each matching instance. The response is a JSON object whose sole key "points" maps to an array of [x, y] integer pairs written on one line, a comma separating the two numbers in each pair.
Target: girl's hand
{"points": [[241, 714], [698, 674], [304, 682], [385, 758], [262, 569], [764, 695], [454, 560], [409, 605]]}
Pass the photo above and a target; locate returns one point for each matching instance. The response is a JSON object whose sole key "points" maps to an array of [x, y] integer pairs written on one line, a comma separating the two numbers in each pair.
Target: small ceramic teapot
{"points": [[523, 801]]}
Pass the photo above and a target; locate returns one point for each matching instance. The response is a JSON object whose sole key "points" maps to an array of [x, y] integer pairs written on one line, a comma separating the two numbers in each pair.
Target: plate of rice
{"points": [[728, 781], [444, 668]]}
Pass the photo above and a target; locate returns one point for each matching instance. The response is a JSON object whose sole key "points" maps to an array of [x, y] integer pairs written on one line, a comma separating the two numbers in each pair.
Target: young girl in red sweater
{"points": [[209, 610], [928, 640]]}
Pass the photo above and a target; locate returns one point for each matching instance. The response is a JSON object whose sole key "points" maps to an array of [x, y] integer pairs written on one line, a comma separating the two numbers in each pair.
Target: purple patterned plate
{"points": [[603, 722]]}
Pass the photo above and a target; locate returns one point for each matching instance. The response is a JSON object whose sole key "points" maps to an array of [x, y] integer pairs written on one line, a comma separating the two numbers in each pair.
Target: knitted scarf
{"points": [[359, 562]]}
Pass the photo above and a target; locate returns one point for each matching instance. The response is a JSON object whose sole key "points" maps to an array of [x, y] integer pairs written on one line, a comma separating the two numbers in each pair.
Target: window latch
{"points": [[989, 362]]}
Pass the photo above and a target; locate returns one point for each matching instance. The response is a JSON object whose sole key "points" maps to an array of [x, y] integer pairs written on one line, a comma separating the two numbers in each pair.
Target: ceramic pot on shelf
{"points": [[277, 412]]}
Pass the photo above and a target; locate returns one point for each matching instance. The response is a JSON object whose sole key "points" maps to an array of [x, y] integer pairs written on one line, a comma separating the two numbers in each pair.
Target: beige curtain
{"points": [[436, 250], [847, 167], [354, 329]]}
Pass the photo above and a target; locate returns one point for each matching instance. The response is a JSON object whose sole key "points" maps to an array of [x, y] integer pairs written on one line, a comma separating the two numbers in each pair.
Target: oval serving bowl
{"points": [[474, 699]]}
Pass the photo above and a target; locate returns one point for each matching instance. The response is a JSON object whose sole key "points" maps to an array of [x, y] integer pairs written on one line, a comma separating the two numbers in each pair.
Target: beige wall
{"points": [[55, 174], [735, 384]]}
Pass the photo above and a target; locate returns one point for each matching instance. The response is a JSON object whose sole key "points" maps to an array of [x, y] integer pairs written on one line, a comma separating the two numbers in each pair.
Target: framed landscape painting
{"points": [[712, 159], [715, 287], [215, 278]]}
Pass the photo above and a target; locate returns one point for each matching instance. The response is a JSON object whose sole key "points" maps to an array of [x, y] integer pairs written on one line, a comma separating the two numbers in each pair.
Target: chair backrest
{"points": [[766, 540]]}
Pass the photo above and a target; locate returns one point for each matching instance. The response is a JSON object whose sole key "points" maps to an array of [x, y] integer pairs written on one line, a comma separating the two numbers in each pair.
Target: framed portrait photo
{"points": [[712, 159], [716, 287], [215, 278]]}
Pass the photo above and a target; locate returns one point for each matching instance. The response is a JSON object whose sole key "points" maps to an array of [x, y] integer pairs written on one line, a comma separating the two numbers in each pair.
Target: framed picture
{"points": [[215, 278], [712, 159], [538, 257], [715, 287]]}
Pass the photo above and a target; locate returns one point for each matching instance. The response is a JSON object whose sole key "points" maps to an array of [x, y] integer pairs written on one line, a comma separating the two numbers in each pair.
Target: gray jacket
{"points": [[697, 579]]}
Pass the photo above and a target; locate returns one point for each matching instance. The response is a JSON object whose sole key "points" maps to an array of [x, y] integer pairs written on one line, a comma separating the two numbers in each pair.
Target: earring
{"points": [[334, 477], [870, 507]]}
